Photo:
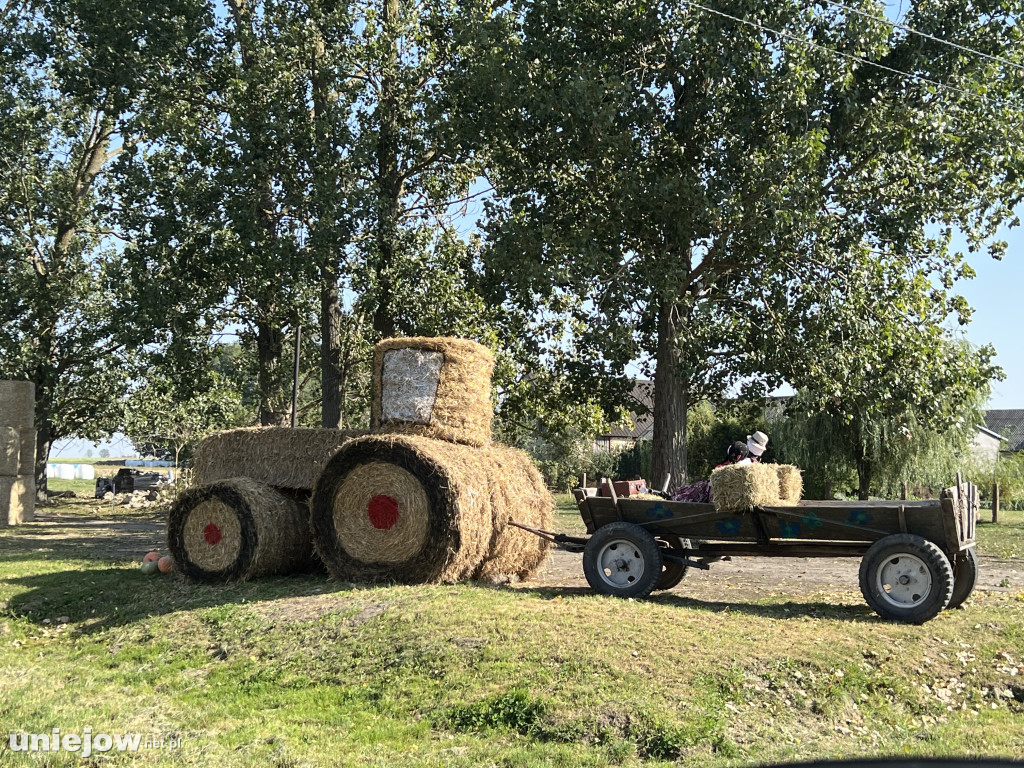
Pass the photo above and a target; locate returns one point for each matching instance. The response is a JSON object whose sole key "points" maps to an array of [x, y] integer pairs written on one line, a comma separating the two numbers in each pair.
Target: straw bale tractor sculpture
{"points": [[425, 496]]}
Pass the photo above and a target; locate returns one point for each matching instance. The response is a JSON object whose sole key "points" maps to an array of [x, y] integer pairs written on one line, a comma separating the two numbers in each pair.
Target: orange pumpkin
{"points": [[165, 564]]}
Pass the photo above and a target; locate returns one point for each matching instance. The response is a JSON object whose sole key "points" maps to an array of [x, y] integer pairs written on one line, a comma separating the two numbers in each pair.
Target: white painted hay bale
{"points": [[51, 471], [85, 472], [66, 471]]}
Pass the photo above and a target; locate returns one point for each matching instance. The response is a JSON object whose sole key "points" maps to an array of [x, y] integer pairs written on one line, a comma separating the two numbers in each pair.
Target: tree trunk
{"points": [[671, 400], [44, 438], [389, 179], [865, 468], [332, 375], [275, 404]]}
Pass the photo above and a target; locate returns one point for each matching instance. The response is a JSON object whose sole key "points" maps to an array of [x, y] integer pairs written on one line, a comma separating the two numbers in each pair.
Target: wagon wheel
{"points": [[965, 577], [671, 573], [622, 559], [906, 578]]}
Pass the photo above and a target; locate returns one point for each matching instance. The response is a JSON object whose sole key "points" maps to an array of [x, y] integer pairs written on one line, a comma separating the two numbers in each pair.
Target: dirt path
{"points": [[76, 531], [763, 576]]}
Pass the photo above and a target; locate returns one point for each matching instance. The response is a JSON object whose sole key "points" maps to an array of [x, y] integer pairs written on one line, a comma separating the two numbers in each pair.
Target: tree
{"points": [[159, 413], [65, 327], [668, 172]]}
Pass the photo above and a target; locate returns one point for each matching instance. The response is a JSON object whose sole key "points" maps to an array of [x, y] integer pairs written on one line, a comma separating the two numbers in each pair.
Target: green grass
{"points": [[304, 672], [84, 488], [1002, 539]]}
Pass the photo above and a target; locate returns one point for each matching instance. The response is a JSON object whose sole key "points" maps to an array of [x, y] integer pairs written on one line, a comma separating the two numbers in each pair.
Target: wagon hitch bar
{"points": [[569, 543], [703, 563]]}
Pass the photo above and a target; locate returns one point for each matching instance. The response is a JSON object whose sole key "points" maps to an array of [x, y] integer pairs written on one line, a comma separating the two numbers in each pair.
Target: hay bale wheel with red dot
{"points": [[239, 529], [419, 510]]}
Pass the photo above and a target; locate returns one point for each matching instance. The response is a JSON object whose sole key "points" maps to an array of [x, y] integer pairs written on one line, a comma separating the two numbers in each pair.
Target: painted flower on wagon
{"points": [[789, 530], [729, 526], [859, 517], [659, 512]]}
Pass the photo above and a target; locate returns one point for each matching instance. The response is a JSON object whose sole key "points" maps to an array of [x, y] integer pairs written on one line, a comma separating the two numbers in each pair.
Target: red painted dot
{"points": [[383, 511], [212, 534]]}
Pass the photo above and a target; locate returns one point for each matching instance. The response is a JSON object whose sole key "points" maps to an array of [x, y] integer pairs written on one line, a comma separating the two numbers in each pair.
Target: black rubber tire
{"points": [[965, 577], [639, 559], [671, 573], [931, 567]]}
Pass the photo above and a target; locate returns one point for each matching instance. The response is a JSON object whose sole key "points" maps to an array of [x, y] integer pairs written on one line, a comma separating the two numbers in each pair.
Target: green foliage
{"points": [[727, 258], [892, 442], [710, 432], [1009, 474], [515, 710], [564, 458]]}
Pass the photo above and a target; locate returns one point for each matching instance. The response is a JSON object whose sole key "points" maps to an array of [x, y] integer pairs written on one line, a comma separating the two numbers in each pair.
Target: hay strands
{"points": [[416, 510]]}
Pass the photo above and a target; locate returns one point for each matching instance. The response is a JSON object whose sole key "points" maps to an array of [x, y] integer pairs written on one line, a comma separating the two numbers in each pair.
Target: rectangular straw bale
{"points": [[17, 404], [277, 456], [10, 451], [17, 500], [791, 484], [27, 459], [433, 387], [737, 487]]}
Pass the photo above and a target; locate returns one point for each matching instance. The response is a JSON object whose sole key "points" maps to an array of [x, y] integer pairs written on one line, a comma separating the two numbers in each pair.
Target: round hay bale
{"points": [[277, 456], [238, 529], [17, 404], [417, 510], [737, 487], [433, 387]]}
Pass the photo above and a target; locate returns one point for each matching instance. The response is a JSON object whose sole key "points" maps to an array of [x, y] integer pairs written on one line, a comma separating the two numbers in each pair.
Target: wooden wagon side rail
{"points": [[949, 522]]}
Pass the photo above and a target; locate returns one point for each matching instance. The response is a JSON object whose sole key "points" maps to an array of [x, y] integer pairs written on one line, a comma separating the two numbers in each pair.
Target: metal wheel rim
{"points": [[904, 580], [620, 563]]}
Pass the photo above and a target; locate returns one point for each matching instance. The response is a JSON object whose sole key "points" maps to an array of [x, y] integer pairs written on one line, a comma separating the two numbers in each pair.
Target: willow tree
{"points": [[670, 172]]}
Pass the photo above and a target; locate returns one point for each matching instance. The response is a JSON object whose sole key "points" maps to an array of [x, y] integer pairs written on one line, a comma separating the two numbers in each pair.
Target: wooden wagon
{"points": [[918, 557]]}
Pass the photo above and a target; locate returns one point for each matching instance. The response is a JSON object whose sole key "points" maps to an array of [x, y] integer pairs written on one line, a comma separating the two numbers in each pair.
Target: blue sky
{"points": [[997, 295]]}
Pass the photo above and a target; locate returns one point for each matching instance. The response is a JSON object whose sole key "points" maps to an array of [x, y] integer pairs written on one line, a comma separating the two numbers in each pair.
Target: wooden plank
{"points": [[583, 502], [950, 528], [811, 548], [699, 521], [995, 503]]}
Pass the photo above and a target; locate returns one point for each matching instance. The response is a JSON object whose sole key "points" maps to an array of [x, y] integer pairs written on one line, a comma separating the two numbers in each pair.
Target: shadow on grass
{"points": [[102, 598], [787, 610], [115, 538]]}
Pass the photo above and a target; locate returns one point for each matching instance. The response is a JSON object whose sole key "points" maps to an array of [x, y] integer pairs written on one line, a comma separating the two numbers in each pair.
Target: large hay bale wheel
{"points": [[417, 510], [433, 387], [238, 529]]}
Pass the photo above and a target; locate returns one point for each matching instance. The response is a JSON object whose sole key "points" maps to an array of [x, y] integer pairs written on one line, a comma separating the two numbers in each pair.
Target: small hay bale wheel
{"points": [[238, 529], [418, 510]]}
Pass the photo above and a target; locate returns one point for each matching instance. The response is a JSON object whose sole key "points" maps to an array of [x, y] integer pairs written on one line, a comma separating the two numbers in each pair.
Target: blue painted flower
{"points": [[789, 530], [730, 526], [658, 512], [859, 517], [812, 521]]}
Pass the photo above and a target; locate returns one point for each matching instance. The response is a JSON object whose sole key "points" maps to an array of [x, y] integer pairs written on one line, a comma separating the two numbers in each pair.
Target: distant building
{"points": [[638, 427], [1008, 425], [985, 445]]}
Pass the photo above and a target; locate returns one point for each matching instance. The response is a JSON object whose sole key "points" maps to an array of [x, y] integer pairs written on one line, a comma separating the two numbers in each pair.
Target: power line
{"points": [[852, 57], [912, 31]]}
